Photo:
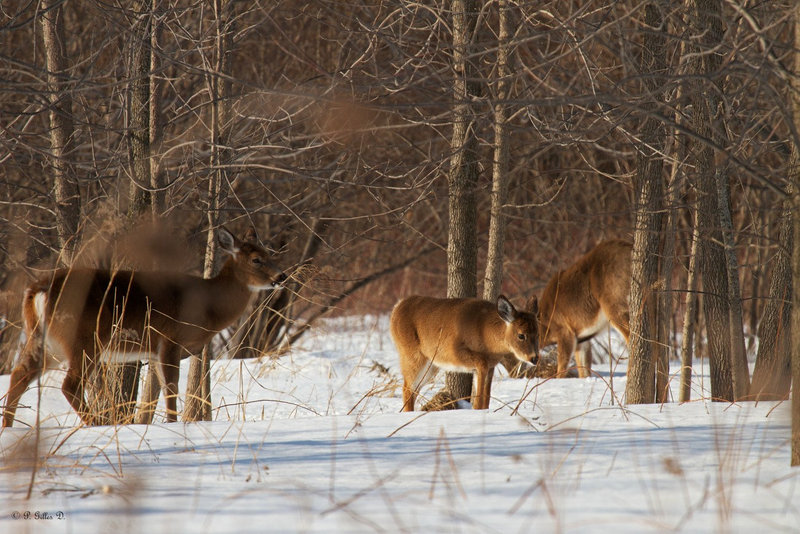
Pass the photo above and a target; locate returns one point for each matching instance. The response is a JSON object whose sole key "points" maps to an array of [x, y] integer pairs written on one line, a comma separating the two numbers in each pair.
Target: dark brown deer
{"points": [[89, 316], [467, 335]]}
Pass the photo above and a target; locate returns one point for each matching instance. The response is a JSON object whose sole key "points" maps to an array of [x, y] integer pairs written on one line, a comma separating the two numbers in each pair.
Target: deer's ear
{"points": [[226, 241], [506, 310]]}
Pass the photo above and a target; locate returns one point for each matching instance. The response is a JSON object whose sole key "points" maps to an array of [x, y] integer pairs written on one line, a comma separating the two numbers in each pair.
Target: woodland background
{"points": [[349, 134]]}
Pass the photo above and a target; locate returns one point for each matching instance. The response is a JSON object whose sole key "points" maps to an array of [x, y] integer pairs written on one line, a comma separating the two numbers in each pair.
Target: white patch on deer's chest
{"points": [[449, 366]]}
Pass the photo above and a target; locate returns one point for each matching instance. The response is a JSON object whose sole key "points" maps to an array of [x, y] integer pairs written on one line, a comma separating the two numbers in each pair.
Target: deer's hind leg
{"points": [[417, 372], [583, 358], [29, 367], [72, 388], [620, 318]]}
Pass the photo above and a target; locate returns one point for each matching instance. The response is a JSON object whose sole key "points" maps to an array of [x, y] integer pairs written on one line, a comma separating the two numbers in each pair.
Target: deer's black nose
{"points": [[281, 278]]}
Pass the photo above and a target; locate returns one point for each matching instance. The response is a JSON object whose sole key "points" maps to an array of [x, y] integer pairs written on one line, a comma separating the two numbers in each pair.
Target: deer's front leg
{"points": [[566, 346], [483, 387]]}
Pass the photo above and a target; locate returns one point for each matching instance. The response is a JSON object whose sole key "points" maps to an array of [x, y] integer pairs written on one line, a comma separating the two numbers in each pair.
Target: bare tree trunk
{"points": [[795, 198], [120, 386], [152, 385], [689, 318], [713, 265], [730, 376], [772, 376], [795, 455], [649, 188], [462, 246], [493, 278], [157, 178], [740, 372], [665, 298], [139, 112], [198, 396], [795, 459], [62, 130]]}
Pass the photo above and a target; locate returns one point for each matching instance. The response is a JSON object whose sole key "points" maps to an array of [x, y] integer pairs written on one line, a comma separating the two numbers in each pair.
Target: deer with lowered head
{"points": [[466, 335], [584, 299], [89, 316]]}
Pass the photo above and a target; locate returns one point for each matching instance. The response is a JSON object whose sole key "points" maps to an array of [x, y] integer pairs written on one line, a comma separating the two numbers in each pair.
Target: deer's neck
{"points": [[232, 294]]}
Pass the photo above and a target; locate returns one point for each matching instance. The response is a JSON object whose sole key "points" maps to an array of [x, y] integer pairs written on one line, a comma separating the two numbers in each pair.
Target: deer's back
{"points": [[434, 322], [89, 302]]}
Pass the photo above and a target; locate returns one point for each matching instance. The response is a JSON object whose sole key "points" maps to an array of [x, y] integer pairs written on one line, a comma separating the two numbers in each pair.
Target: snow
{"points": [[314, 442]]}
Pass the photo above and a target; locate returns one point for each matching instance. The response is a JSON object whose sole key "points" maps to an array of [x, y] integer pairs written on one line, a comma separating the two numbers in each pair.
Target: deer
{"points": [[460, 334], [584, 299], [89, 316]]}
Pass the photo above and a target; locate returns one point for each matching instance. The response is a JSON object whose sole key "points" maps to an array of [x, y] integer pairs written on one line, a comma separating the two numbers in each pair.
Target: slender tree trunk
{"points": [[152, 385], [649, 187], [689, 320], [772, 376], [157, 178], [665, 298], [198, 396], [62, 130], [740, 372], [462, 246], [493, 278], [139, 112]]}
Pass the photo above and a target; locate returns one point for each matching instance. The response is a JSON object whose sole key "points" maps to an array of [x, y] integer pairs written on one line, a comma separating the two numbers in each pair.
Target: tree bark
{"points": [[649, 188], [772, 376], [493, 278], [462, 245], [795, 199], [689, 320], [158, 204], [62, 129], [706, 102], [795, 454], [120, 387], [740, 372], [157, 178], [138, 132], [198, 396]]}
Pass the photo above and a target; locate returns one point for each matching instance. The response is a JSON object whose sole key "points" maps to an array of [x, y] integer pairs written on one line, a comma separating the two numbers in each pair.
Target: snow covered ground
{"points": [[314, 442]]}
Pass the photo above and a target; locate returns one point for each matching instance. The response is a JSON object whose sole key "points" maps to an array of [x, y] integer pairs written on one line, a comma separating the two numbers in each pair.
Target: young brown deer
{"points": [[468, 335], [88, 316], [584, 299]]}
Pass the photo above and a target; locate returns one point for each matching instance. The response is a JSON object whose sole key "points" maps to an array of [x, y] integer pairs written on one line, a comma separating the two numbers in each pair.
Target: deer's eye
{"points": [[521, 337], [255, 260]]}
